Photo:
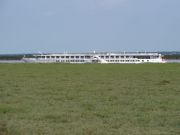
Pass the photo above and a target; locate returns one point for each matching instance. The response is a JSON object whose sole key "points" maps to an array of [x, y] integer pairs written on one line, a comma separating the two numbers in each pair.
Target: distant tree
{"points": [[171, 57]]}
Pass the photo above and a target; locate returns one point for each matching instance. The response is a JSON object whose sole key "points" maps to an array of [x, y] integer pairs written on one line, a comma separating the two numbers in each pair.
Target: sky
{"points": [[31, 26]]}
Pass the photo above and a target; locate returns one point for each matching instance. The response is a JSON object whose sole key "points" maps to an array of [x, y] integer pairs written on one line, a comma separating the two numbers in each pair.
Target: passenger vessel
{"points": [[104, 58]]}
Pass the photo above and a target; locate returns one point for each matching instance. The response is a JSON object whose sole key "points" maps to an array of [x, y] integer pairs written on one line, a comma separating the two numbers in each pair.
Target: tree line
{"points": [[19, 57], [13, 57]]}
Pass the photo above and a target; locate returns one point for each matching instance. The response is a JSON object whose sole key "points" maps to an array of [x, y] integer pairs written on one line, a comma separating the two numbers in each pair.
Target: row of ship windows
{"points": [[70, 61], [88, 57], [62, 57], [98, 61], [123, 60]]}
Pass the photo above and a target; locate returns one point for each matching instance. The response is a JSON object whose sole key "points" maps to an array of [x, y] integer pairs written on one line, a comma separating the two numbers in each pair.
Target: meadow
{"points": [[89, 99]]}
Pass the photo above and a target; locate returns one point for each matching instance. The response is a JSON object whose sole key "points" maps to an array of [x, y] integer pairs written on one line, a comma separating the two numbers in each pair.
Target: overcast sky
{"points": [[86, 25]]}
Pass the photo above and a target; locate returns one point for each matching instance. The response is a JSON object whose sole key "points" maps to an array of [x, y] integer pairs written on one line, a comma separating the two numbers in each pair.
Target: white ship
{"points": [[103, 58]]}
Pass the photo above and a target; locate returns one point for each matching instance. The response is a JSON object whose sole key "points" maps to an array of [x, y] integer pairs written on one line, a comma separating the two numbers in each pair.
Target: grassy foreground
{"points": [[66, 99]]}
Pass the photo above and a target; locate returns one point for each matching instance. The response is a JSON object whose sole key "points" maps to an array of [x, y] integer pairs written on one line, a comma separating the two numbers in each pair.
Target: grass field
{"points": [[67, 99]]}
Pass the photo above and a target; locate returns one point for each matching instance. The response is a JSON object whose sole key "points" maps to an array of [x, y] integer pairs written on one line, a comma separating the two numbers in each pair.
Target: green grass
{"points": [[89, 99]]}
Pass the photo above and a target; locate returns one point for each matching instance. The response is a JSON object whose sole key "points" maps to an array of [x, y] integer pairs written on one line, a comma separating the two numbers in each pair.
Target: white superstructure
{"points": [[97, 58]]}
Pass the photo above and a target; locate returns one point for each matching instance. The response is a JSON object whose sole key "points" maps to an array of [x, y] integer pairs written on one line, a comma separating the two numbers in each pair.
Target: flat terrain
{"points": [[89, 99]]}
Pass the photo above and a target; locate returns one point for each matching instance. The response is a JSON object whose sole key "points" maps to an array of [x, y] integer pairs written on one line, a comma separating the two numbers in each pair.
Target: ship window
{"points": [[52, 56], [47, 56], [117, 56], [57, 57], [77, 56], [82, 57], [112, 56], [127, 56], [43, 56], [62, 57], [102, 57], [67, 57], [87, 57], [142, 57], [72, 56], [153, 57], [107, 57], [122, 56]]}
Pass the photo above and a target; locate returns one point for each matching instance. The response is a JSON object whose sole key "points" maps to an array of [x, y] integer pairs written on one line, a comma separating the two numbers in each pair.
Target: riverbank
{"points": [[94, 99]]}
